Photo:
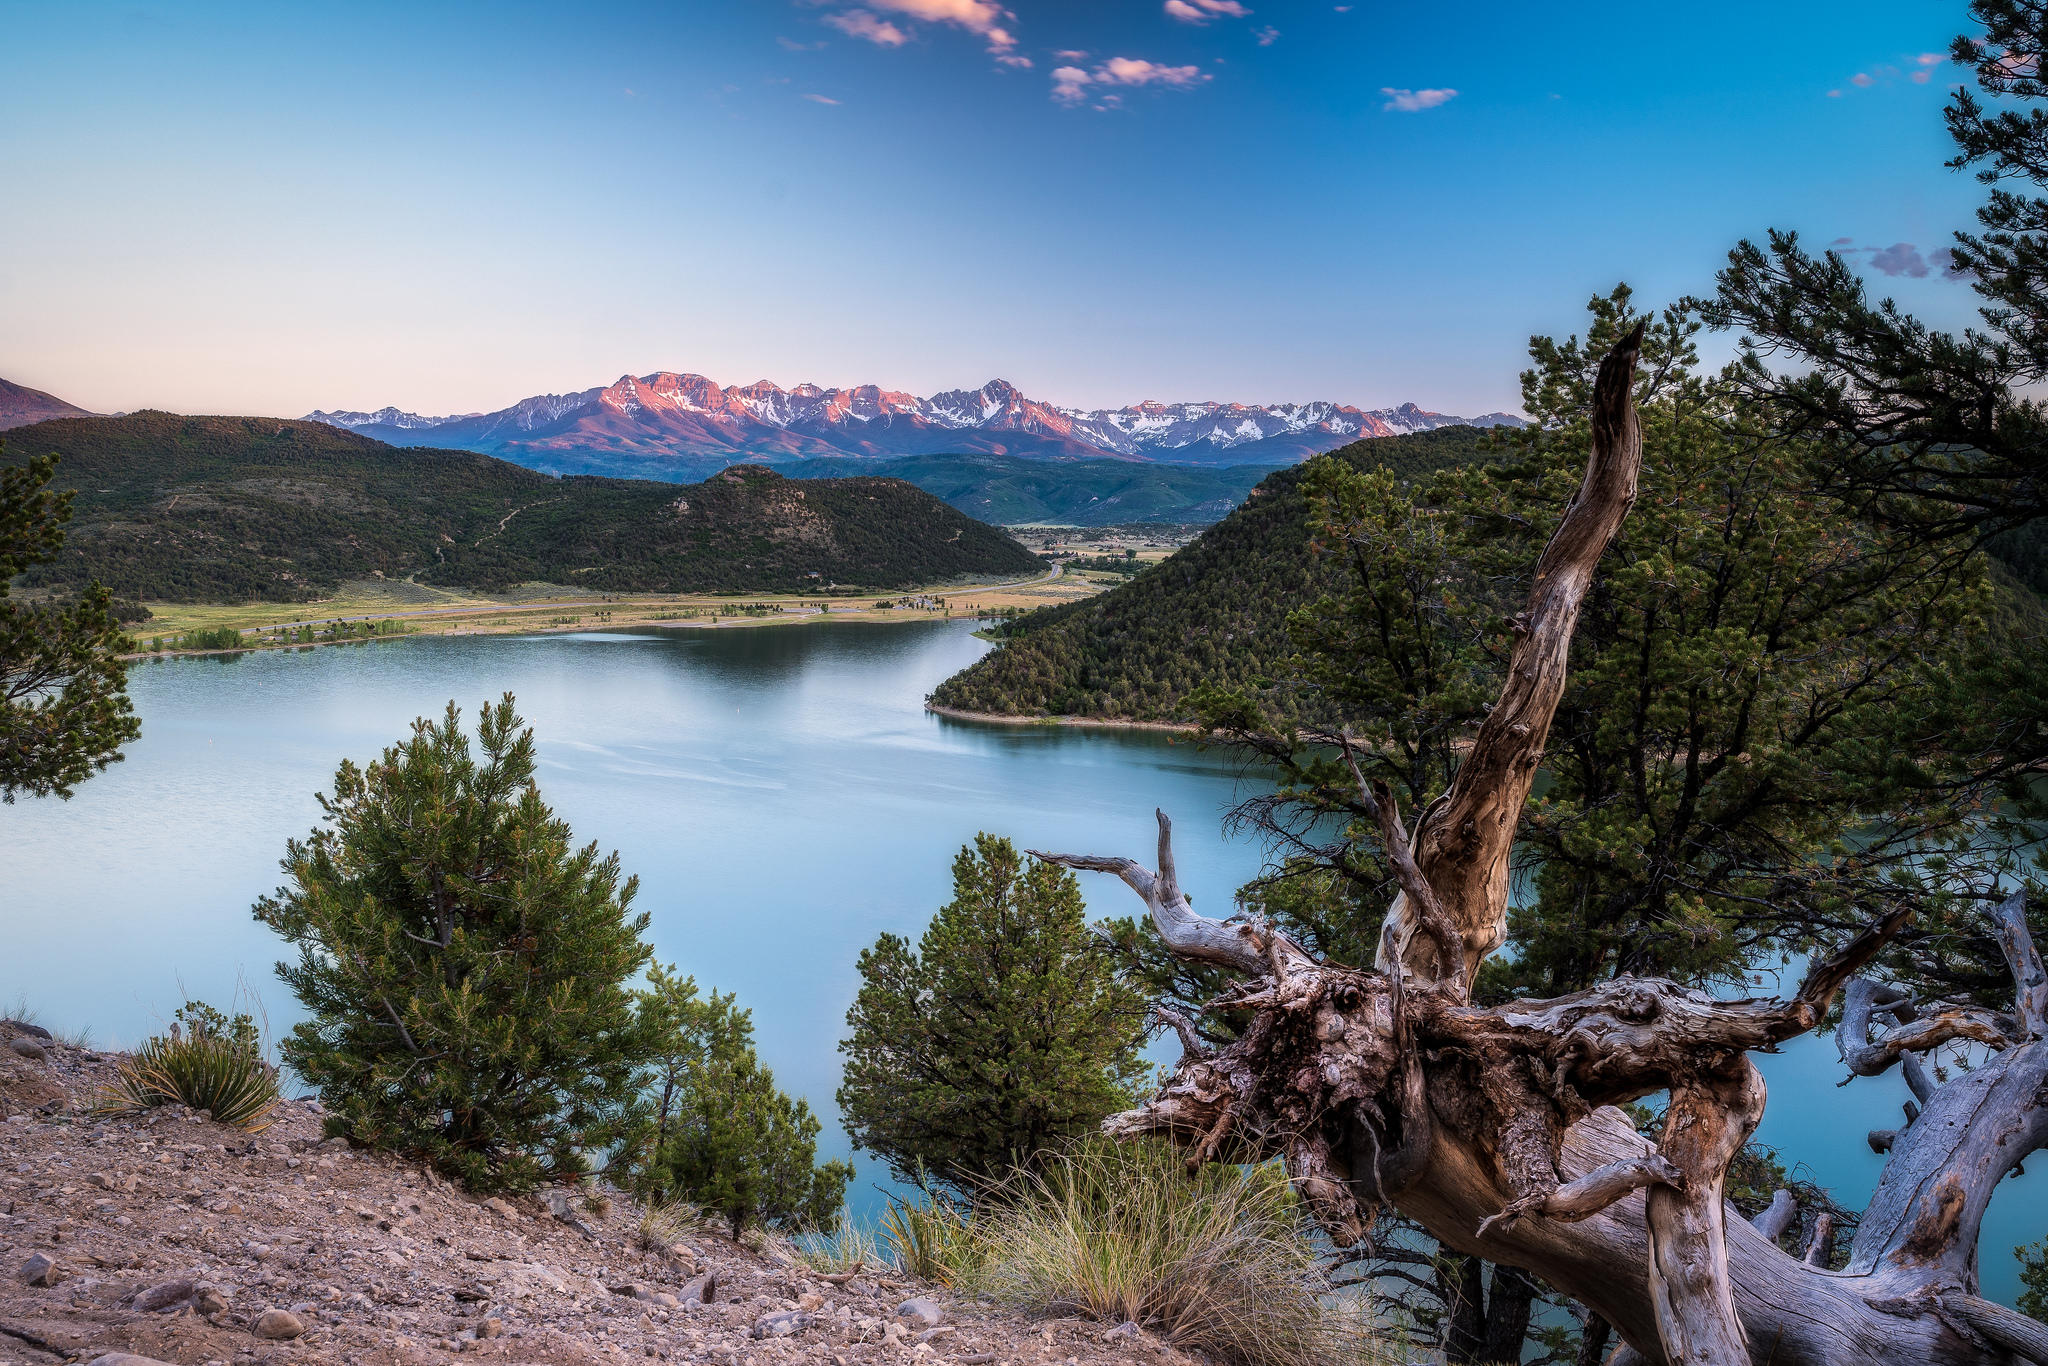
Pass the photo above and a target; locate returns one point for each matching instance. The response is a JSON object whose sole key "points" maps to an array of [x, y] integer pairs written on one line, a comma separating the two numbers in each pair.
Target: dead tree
{"points": [[1494, 1128]]}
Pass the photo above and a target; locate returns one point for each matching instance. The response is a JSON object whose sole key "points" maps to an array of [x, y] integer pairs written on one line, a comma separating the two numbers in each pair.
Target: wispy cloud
{"points": [[1202, 11], [1918, 69], [1267, 36], [1414, 101], [858, 23], [821, 99], [1069, 54], [1901, 258], [1072, 84], [792, 45]]}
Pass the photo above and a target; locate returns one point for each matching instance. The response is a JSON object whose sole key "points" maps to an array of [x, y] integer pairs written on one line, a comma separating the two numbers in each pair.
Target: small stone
{"points": [[921, 1310], [811, 1303], [1123, 1332], [210, 1301], [780, 1325], [28, 1048], [700, 1289], [279, 1325], [489, 1328], [165, 1295], [125, 1359], [40, 1269], [501, 1208]]}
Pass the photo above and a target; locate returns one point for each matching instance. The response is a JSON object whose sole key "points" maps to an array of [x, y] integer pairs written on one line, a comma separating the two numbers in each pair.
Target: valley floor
{"points": [[546, 607], [183, 1241]]}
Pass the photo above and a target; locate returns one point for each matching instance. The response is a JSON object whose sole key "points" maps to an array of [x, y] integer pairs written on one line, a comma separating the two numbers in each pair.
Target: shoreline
{"points": [[994, 718]]}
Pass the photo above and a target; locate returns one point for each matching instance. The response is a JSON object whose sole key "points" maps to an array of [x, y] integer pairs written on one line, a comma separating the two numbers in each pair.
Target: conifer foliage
{"points": [[462, 965], [1003, 1033], [64, 711], [722, 1135]]}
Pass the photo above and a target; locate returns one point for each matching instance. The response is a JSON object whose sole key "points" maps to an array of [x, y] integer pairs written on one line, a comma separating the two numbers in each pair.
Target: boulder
{"points": [[278, 1325], [34, 1031], [28, 1048], [921, 1310], [41, 1269], [780, 1325]]}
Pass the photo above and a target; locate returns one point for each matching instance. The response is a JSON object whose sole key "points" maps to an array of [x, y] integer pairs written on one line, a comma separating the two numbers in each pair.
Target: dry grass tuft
{"points": [[1220, 1264]]}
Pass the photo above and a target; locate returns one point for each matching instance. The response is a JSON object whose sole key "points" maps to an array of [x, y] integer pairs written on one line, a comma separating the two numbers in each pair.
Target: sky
{"points": [[262, 208]]}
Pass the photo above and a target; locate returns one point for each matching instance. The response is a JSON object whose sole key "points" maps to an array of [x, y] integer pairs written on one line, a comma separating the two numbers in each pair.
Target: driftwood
{"points": [[1493, 1127]]}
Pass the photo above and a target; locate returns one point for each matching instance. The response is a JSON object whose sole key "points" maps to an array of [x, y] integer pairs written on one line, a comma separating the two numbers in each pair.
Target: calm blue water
{"points": [[780, 791]]}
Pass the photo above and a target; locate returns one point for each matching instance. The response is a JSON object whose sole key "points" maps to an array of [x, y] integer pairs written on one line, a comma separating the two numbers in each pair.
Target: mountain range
{"points": [[21, 405], [641, 424]]}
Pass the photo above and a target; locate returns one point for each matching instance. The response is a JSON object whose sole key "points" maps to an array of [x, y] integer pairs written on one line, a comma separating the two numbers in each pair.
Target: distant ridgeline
{"points": [[1213, 612], [227, 509]]}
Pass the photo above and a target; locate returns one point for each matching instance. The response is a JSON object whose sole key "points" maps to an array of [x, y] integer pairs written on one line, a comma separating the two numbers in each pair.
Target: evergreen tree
{"points": [[1006, 1031], [462, 967], [64, 710], [722, 1135]]}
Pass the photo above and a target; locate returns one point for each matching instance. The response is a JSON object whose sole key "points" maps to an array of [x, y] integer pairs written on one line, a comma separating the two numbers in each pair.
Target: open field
{"points": [[548, 607]]}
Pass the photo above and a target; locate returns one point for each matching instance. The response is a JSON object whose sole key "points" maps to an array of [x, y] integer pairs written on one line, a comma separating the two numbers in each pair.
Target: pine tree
{"points": [[64, 710], [462, 967], [722, 1135], [1006, 1031]]}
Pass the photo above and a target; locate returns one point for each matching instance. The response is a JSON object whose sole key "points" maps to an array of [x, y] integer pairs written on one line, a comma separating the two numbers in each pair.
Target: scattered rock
{"points": [[28, 1048], [501, 1208], [279, 1325], [164, 1295], [781, 1325], [700, 1289], [34, 1031], [125, 1359], [489, 1328], [1123, 1332], [40, 1269], [921, 1310]]}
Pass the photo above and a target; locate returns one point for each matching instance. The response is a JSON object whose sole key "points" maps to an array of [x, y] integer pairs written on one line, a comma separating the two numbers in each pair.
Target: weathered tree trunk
{"points": [[1493, 1128]]}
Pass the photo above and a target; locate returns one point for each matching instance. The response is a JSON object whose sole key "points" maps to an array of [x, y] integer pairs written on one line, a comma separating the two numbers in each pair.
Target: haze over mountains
{"points": [[688, 418]]}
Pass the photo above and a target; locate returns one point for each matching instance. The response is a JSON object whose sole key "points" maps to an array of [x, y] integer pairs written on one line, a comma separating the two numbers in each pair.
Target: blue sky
{"points": [[270, 208]]}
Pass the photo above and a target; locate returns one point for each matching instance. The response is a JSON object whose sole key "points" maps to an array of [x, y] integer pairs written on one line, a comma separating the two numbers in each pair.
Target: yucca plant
{"points": [[219, 1074], [1221, 1264]]}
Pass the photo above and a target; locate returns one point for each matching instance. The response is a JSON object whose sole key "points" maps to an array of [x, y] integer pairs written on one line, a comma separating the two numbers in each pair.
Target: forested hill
{"points": [[229, 509], [1213, 612]]}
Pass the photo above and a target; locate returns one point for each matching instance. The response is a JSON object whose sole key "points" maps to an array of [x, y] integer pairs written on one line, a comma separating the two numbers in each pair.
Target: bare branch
{"points": [[1593, 1192], [1186, 934], [1782, 1215], [2021, 954], [1428, 913], [2010, 1329], [1462, 848]]}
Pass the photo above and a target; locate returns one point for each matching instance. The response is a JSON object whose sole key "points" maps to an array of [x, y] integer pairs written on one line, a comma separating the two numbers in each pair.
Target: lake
{"points": [[780, 791]]}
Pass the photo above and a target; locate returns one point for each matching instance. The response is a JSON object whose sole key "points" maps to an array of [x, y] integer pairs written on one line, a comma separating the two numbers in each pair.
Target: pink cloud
{"points": [[1268, 36], [859, 23], [821, 99], [976, 16], [1012, 59], [1861, 80], [1414, 101], [1202, 11], [1068, 54], [1071, 84]]}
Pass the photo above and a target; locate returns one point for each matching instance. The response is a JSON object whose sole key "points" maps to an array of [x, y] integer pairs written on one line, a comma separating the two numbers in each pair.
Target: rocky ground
{"points": [[169, 1238]]}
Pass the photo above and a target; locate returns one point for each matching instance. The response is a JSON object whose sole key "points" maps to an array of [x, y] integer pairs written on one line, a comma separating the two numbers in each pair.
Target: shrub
{"points": [[934, 1241], [1220, 1264], [724, 1136], [1005, 1032], [217, 1073], [846, 1247], [462, 966]]}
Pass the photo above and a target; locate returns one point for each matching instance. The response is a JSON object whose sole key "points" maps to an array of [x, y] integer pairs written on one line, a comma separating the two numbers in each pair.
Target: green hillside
{"points": [[1008, 490], [237, 509], [1213, 612]]}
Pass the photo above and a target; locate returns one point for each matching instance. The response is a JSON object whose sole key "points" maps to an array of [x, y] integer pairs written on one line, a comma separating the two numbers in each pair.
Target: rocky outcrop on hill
{"points": [[171, 1239]]}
